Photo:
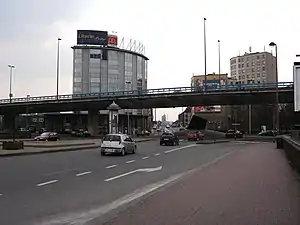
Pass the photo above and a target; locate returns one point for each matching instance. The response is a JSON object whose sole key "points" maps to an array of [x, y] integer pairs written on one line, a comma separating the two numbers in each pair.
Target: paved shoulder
{"points": [[253, 186]]}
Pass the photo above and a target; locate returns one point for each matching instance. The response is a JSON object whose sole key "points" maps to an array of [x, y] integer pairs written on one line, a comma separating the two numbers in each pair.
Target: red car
{"points": [[195, 136]]}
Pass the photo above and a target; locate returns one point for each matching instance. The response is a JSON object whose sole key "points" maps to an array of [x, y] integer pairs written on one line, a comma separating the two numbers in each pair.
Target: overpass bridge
{"points": [[237, 94]]}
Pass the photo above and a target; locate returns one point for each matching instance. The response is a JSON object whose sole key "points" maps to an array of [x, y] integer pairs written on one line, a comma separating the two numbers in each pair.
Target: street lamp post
{"points": [[27, 109], [57, 68], [219, 53], [205, 72], [11, 67], [277, 123]]}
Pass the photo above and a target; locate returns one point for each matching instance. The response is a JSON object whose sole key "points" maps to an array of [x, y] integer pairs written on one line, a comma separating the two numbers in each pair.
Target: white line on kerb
{"points": [[157, 154], [84, 173], [46, 183], [109, 167], [146, 157], [131, 161], [177, 149], [122, 175]]}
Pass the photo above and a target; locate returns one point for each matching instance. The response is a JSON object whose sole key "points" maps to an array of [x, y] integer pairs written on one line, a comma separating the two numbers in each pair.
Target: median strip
{"points": [[84, 173], [46, 183]]}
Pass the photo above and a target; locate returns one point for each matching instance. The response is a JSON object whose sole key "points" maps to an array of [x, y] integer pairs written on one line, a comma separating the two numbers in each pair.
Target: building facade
{"points": [[256, 67], [99, 69]]}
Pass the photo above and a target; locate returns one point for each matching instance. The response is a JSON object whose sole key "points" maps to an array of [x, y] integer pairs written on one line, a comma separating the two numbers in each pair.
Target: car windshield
{"points": [[112, 138], [45, 134], [167, 134]]}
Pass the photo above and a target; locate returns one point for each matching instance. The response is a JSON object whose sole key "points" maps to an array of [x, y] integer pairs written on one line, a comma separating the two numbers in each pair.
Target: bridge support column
{"points": [[113, 118], [93, 115]]}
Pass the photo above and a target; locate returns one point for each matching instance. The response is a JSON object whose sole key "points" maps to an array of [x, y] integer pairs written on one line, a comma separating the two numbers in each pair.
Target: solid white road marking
{"points": [[157, 154], [146, 157], [84, 173], [46, 183], [177, 149], [109, 167], [131, 161], [148, 170]]}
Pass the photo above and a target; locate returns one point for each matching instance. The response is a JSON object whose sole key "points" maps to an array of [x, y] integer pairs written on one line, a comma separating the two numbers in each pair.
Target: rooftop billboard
{"points": [[92, 37]]}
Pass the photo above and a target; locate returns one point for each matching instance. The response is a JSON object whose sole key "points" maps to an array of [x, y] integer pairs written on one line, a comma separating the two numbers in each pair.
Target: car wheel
{"points": [[173, 143], [134, 150], [123, 153], [160, 143], [38, 139], [102, 154]]}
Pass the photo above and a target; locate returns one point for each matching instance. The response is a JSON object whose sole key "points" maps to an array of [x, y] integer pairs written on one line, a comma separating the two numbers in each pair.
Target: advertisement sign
{"points": [[296, 86], [112, 41], [211, 109], [92, 37]]}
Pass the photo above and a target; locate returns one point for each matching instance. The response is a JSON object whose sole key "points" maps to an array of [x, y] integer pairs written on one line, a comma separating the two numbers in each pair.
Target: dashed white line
{"points": [[46, 183], [157, 154], [131, 161], [1, 194], [111, 166], [177, 149], [84, 173], [146, 157]]}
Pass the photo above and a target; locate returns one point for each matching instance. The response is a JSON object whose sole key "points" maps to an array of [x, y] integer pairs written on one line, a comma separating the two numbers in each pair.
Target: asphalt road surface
{"points": [[77, 187]]}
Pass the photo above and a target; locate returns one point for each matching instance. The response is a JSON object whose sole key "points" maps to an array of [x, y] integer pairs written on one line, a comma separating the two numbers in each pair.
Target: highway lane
{"points": [[40, 191]]}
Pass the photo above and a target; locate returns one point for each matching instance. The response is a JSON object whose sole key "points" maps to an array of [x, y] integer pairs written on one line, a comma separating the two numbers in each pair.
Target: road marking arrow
{"points": [[147, 170]]}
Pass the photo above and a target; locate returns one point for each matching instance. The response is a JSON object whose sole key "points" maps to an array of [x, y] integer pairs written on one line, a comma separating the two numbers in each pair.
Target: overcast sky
{"points": [[172, 32]]}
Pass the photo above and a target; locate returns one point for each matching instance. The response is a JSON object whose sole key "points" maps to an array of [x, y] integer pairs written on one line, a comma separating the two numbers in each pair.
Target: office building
{"points": [[256, 67]]}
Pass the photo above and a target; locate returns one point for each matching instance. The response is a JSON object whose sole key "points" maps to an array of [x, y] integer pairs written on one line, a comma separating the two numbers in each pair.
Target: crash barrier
{"points": [[291, 148]]}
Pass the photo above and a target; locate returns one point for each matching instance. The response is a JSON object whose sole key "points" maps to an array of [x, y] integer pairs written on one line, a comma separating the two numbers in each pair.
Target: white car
{"points": [[120, 144]]}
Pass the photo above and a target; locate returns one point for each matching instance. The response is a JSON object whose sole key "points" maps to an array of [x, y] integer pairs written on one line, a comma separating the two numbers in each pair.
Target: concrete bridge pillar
{"points": [[93, 116], [9, 122], [113, 118]]}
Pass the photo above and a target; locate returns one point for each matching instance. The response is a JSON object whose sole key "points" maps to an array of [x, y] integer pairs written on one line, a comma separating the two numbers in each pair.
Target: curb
{"points": [[59, 150]]}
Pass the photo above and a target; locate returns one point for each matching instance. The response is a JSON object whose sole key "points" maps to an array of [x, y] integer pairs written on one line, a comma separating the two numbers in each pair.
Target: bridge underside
{"points": [[152, 101]]}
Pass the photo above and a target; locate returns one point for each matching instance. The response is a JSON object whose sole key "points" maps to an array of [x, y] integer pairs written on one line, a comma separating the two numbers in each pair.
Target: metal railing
{"points": [[176, 90]]}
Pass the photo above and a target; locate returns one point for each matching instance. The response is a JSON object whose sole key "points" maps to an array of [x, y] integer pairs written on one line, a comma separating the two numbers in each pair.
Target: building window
{"points": [[95, 56], [247, 65], [258, 57], [263, 68], [77, 79], [95, 79], [77, 90], [95, 89], [253, 70]]}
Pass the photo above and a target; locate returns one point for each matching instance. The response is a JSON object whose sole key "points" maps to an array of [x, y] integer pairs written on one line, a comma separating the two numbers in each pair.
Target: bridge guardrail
{"points": [[291, 148], [209, 89]]}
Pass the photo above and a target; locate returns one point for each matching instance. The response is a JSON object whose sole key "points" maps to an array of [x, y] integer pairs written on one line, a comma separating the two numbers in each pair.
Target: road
{"points": [[77, 187]]}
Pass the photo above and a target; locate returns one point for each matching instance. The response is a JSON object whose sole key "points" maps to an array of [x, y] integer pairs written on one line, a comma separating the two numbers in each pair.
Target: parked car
{"points": [[233, 134], [81, 133], [143, 133], [268, 133], [119, 144], [47, 136], [169, 139], [195, 136]]}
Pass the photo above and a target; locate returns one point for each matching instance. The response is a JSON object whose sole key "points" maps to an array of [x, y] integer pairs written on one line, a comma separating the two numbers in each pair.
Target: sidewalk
{"points": [[57, 146], [249, 187]]}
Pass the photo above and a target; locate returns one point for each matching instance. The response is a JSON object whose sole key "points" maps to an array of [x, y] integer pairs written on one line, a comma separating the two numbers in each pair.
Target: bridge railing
{"points": [[209, 88]]}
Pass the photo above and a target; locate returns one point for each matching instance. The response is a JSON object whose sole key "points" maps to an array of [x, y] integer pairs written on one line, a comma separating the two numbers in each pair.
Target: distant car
{"points": [[169, 139], [168, 126], [268, 133], [47, 136], [233, 134], [195, 136], [81, 133], [119, 144]]}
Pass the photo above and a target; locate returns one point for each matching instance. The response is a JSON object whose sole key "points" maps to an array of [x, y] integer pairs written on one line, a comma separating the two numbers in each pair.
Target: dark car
{"points": [[80, 133], [233, 134], [47, 136], [169, 139]]}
